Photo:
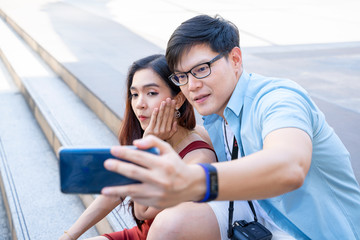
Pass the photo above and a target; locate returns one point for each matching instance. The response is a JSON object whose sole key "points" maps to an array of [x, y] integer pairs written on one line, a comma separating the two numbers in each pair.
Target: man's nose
{"points": [[193, 82]]}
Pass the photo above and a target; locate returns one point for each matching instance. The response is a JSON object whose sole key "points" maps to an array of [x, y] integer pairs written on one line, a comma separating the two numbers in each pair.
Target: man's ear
{"points": [[180, 99], [235, 56]]}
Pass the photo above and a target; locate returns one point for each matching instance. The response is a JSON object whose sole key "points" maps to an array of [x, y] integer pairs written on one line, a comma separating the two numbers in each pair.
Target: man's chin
{"points": [[203, 112]]}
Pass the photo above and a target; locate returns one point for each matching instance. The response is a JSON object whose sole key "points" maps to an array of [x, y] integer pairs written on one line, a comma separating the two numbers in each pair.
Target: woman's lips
{"points": [[142, 118]]}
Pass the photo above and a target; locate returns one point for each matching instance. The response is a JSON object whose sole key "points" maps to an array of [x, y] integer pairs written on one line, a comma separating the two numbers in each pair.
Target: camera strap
{"points": [[234, 155]]}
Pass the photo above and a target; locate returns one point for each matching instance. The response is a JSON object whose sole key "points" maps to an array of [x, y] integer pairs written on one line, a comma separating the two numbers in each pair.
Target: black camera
{"points": [[242, 230]]}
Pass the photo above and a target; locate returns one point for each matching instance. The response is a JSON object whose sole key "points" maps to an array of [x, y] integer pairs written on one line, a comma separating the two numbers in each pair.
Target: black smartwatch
{"points": [[212, 188]]}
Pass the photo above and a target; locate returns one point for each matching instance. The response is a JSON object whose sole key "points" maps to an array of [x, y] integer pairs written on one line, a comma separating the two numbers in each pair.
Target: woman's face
{"points": [[148, 90]]}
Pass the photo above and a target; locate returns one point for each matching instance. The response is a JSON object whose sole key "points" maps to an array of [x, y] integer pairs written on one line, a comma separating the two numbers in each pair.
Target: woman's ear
{"points": [[180, 99]]}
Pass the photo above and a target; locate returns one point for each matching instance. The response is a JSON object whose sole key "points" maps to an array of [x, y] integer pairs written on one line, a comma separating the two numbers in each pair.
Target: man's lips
{"points": [[201, 98]]}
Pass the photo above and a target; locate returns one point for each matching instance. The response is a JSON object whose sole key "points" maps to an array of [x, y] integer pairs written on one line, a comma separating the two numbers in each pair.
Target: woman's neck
{"points": [[178, 137]]}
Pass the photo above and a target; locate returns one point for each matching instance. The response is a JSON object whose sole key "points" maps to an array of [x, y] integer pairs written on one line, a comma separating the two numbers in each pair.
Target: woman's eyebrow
{"points": [[146, 86]]}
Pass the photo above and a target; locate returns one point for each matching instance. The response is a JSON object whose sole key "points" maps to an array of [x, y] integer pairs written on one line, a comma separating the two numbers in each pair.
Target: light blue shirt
{"points": [[327, 205]]}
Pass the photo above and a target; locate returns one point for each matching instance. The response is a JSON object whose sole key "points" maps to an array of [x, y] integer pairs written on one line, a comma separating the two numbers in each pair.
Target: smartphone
{"points": [[82, 170]]}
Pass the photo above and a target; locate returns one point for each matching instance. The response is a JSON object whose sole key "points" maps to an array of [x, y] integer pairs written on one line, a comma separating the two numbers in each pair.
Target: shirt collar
{"points": [[236, 101]]}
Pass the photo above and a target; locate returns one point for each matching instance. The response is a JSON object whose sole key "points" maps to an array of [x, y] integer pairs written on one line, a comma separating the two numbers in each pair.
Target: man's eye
{"points": [[201, 69], [181, 76]]}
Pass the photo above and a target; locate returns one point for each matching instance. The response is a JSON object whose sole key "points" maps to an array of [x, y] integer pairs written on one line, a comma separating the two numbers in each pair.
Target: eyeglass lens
{"points": [[200, 71]]}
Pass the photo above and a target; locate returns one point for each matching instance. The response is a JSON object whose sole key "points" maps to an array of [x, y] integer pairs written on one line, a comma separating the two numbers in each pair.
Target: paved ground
{"points": [[314, 43]]}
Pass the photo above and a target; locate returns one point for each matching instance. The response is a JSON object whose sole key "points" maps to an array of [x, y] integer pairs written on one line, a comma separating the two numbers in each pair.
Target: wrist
{"points": [[211, 182], [195, 182]]}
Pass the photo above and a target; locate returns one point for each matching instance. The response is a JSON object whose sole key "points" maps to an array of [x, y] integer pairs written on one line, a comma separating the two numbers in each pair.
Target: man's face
{"points": [[212, 93]]}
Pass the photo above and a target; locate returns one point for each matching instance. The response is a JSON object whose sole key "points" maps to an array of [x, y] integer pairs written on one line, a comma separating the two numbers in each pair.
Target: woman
{"points": [[154, 105]]}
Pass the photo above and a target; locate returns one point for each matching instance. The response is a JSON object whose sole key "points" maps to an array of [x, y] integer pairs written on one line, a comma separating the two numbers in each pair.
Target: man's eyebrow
{"points": [[146, 86], [196, 64]]}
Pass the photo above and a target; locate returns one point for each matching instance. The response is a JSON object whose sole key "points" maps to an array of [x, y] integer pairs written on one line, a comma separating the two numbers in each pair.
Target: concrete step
{"points": [[65, 121], [4, 223], [86, 46], [6, 85], [35, 207], [63, 35]]}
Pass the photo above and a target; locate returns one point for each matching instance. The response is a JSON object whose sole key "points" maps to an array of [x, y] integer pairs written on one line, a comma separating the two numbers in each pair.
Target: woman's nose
{"points": [[140, 103]]}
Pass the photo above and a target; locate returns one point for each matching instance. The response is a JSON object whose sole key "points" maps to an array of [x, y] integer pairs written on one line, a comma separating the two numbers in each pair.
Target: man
{"points": [[290, 160]]}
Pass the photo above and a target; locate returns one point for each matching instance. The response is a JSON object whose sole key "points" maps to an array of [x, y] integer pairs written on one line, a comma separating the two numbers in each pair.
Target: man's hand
{"points": [[166, 179], [163, 123]]}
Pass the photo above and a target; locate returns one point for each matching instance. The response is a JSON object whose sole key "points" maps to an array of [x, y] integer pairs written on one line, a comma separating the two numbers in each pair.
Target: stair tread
{"points": [[30, 175], [54, 104]]}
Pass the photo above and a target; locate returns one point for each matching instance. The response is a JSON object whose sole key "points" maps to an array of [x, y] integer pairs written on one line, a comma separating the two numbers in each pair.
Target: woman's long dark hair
{"points": [[131, 128]]}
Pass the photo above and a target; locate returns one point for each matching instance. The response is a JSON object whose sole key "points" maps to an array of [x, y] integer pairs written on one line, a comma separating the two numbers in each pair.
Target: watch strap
{"points": [[211, 182]]}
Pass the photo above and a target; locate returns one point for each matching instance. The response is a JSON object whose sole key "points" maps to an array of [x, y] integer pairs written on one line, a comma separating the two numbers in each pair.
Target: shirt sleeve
{"points": [[284, 108]]}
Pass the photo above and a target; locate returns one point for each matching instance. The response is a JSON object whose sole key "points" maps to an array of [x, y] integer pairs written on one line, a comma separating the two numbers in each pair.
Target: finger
{"points": [[138, 193], [133, 155], [173, 128], [150, 128], [169, 115], [129, 170], [119, 191], [159, 118], [153, 118], [152, 141]]}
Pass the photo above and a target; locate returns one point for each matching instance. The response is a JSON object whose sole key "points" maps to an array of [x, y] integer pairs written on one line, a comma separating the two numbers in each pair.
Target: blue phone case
{"points": [[82, 170]]}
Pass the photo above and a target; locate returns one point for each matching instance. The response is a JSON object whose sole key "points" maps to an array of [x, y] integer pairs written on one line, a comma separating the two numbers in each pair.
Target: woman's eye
{"points": [[134, 95], [153, 93]]}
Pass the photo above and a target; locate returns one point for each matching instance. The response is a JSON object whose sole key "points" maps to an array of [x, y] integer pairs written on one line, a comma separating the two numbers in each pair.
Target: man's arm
{"points": [[279, 168]]}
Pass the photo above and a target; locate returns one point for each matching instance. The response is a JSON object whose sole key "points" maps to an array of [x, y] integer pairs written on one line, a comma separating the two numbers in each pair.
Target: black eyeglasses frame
{"points": [[219, 56]]}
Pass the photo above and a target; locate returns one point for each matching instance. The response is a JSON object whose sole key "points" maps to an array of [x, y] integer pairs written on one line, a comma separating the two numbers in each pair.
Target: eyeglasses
{"points": [[199, 71]]}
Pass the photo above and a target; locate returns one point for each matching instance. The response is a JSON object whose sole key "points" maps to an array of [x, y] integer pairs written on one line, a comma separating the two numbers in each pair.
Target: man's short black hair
{"points": [[221, 35]]}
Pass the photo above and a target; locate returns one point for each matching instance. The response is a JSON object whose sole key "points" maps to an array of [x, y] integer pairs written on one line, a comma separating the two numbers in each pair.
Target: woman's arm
{"points": [[202, 155], [97, 210]]}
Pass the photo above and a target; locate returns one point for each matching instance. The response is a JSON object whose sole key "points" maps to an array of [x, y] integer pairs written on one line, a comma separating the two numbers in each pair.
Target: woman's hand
{"points": [[166, 179], [163, 123]]}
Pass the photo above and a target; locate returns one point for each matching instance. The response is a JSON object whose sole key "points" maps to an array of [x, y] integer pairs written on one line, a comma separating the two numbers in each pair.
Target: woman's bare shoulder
{"points": [[200, 130]]}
